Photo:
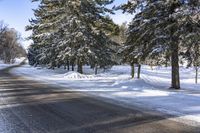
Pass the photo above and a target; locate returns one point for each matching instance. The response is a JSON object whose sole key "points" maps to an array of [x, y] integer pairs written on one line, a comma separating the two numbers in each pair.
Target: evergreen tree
{"points": [[44, 27], [120, 39], [156, 30], [191, 39], [73, 32]]}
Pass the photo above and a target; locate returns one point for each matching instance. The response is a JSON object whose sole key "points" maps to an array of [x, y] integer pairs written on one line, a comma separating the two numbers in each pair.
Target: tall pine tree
{"points": [[73, 32], [156, 30]]}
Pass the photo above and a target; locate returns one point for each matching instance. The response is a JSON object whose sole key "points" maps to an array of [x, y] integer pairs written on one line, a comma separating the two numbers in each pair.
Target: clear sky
{"points": [[16, 14]]}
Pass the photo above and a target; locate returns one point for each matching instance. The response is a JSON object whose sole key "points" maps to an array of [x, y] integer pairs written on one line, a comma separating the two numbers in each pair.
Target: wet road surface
{"points": [[30, 107]]}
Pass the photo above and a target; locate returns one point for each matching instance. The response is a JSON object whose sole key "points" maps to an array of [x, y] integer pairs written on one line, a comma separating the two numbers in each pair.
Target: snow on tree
{"points": [[74, 32], [43, 28], [191, 38], [157, 31]]}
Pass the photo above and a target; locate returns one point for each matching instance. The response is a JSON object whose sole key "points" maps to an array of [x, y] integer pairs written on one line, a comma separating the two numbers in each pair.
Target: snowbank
{"points": [[76, 76], [2, 66], [150, 92], [17, 61]]}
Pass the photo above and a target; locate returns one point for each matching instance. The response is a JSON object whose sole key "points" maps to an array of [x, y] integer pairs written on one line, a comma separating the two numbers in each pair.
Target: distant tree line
{"points": [[10, 47]]}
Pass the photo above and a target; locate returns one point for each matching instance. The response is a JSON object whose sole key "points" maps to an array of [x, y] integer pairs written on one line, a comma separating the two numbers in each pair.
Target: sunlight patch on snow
{"points": [[190, 119], [142, 93]]}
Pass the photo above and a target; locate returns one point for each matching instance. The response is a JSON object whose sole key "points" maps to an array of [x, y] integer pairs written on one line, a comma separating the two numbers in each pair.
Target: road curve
{"points": [[28, 106]]}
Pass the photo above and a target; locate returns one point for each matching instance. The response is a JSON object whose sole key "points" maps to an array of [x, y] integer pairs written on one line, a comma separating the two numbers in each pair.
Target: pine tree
{"points": [[191, 39], [44, 28], [156, 31], [74, 32], [85, 33]]}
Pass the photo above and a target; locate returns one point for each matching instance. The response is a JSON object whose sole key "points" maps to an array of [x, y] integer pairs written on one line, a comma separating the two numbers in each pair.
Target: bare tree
{"points": [[10, 47]]}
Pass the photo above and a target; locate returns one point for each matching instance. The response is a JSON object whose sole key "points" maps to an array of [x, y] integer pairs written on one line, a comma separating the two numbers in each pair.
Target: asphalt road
{"points": [[31, 107]]}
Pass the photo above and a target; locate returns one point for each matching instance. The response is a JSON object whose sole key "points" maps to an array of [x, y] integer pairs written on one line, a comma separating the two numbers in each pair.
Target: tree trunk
{"points": [[72, 66], [132, 70], [68, 65], [80, 67], [196, 75], [139, 70], [151, 66], [174, 50], [166, 62], [196, 61], [96, 69], [175, 66]]}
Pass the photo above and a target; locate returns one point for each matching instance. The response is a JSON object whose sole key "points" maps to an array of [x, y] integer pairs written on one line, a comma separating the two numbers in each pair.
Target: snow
{"points": [[17, 61], [2, 65], [76, 76], [115, 85]]}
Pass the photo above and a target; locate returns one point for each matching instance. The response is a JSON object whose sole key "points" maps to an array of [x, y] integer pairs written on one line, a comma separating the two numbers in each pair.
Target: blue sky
{"points": [[16, 14]]}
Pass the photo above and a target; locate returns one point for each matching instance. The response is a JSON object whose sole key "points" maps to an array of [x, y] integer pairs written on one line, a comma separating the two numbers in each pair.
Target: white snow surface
{"points": [[17, 61], [76, 76], [2, 65], [149, 92]]}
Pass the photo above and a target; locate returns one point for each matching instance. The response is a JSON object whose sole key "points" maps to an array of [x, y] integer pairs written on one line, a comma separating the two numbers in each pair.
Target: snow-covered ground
{"points": [[150, 92], [2, 65], [17, 61]]}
